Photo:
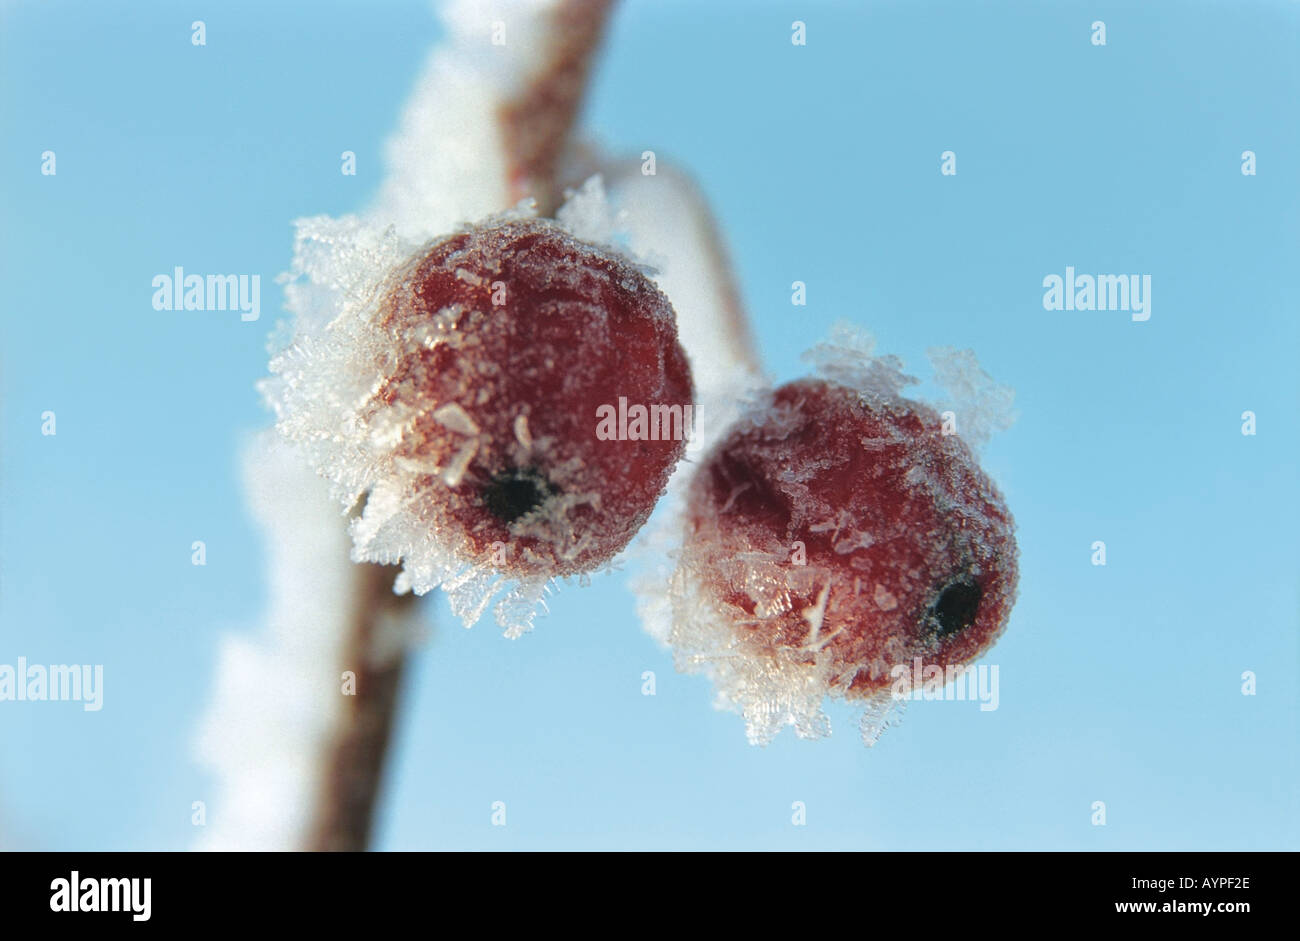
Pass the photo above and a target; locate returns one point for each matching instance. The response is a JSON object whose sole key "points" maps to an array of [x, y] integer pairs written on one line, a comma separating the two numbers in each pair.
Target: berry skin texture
{"points": [[511, 338], [908, 547]]}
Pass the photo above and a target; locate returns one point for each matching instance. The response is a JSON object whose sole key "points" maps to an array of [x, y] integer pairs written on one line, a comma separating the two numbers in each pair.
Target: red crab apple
{"points": [[514, 336], [845, 528]]}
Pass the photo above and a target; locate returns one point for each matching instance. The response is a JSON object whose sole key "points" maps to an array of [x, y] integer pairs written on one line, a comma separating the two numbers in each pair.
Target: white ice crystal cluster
{"points": [[982, 406], [771, 689], [848, 357], [448, 161]]}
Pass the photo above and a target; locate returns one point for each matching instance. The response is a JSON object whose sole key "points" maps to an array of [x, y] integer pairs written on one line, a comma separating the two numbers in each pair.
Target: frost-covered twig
{"points": [[490, 114], [298, 759], [278, 697], [534, 90], [537, 119], [376, 639]]}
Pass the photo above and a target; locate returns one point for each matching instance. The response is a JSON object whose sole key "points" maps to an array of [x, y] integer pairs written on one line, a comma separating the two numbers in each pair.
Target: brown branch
{"points": [[535, 130], [536, 125], [354, 759]]}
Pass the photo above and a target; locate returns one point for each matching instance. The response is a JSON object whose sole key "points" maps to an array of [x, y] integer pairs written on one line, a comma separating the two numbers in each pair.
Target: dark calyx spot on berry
{"points": [[956, 607], [513, 494]]}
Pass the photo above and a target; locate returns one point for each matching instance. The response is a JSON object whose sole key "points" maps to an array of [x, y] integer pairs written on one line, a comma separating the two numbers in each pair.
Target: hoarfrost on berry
{"points": [[457, 390], [832, 536]]}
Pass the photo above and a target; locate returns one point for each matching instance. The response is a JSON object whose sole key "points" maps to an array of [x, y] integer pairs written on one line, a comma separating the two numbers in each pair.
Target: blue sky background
{"points": [[1119, 684]]}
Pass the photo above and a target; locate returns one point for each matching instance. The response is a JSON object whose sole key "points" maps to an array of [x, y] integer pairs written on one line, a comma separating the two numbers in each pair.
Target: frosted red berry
{"points": [[512, 339], [907, 548]]}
